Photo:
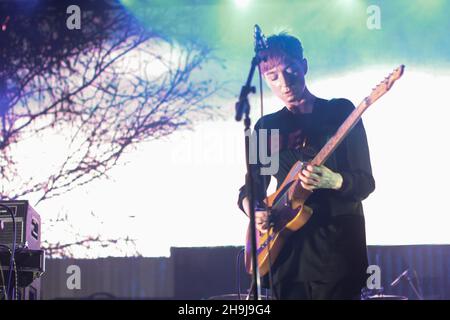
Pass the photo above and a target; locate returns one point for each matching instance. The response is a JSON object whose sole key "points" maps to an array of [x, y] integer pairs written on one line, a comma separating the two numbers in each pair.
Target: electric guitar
{"points": [[287, 204]]}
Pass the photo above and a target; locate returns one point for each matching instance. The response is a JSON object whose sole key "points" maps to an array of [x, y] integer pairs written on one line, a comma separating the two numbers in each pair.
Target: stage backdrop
{"points": [[178, 188]]}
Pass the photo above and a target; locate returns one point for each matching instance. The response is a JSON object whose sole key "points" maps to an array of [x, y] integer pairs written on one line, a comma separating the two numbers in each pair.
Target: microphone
{"points": [[260, 40], [260, 43], [400, 277]]}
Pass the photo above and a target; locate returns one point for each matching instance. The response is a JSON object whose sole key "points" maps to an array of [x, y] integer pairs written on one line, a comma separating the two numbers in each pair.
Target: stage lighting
{"points": [[241, 3]]}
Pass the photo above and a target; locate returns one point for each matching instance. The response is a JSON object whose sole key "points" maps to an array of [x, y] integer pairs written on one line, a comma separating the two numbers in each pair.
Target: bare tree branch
{"points": [[109, 88], [104, 89]]}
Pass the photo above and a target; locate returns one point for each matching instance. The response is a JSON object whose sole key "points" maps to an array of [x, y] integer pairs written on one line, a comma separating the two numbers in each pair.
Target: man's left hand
{"points": [[319, 177]]}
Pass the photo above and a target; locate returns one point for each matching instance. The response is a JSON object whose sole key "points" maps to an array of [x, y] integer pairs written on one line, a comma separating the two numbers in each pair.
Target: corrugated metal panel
{"points": [[126, 278], [203, 272], [431, 263]]}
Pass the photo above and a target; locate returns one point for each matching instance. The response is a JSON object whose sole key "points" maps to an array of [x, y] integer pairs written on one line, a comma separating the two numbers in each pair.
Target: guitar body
{"points": [[289, 216]]}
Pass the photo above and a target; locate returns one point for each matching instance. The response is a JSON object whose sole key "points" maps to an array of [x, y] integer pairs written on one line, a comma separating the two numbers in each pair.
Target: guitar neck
{"points": [[355, 116], [341, 133]]}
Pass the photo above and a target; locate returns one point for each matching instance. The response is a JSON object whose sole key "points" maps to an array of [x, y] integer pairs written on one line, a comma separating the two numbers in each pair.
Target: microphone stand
{"points": [[243, 108], [418, 295], [406, 275]]}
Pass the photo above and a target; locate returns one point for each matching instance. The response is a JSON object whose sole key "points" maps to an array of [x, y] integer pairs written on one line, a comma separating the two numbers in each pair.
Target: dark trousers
{"points": [[343, 289]]}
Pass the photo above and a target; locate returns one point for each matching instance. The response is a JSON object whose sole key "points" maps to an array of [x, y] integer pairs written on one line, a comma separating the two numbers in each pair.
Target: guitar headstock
{"points": [[386, 84]]}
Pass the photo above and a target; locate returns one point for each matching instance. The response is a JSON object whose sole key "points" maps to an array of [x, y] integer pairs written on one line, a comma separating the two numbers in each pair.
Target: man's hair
{"points": [[279, 47]]}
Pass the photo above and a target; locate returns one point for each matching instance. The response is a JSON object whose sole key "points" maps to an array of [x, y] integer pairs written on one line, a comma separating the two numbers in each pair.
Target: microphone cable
{"points": [[238, 272], [13, 250], [271, 224]]}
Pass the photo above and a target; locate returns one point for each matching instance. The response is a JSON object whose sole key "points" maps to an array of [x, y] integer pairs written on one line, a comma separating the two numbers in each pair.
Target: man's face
{"points": [[286, 78]]}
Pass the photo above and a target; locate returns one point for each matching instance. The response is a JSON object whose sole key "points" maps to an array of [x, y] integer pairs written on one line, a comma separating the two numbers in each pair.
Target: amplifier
{"points": [[30, 265], [28, 225]]}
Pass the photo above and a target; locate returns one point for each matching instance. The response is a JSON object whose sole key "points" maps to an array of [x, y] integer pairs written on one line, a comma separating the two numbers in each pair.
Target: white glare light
{"points": [[241, 3]]}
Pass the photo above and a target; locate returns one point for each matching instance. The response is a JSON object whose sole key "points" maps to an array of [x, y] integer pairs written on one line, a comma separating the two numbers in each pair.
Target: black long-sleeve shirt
{"points": [[332, 244]]}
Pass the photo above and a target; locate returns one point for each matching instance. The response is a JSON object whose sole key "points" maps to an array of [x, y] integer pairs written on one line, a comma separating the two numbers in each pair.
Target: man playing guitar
{"points": [[325, 259]]}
